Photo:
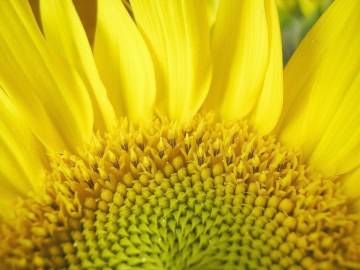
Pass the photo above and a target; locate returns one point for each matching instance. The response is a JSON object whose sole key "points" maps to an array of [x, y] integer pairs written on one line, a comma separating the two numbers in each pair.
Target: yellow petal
{"points": [[49, 95], [240, 48], [64, 32], [267, 110], [338, 150], [351, 185], [317, 85], [212, 8], [178, 35], [21, 161], [124, 62]]}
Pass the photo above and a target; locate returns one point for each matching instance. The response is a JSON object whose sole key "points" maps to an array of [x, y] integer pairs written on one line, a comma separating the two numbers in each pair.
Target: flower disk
{"points": [[204, 196]]}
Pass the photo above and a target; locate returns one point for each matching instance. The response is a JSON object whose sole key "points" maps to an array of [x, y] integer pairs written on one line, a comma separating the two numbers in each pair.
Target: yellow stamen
{"points": [[213, 196]]}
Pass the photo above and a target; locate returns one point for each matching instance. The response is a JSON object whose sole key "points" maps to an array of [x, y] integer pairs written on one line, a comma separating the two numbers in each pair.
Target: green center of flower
{"points": [[205, 196]]}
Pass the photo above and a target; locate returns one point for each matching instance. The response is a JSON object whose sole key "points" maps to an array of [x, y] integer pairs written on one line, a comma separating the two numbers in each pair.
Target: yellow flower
{"points": [[176, 140]]}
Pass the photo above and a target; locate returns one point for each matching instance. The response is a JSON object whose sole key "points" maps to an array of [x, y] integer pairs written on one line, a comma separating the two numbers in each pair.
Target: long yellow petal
{"points": [[351, 186], [212, 9], [267, 110], [64, 32], [338, 150], [240, 49], [124, 62], [318, 88], [21, 161], [50, 95], [178, 35]]}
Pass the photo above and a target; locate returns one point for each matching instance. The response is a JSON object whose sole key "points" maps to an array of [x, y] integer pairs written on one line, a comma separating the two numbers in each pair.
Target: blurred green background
{"points": [[296, 18]]}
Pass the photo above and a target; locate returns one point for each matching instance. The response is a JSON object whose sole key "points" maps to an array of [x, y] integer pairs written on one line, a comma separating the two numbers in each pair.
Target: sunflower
{"points": [[166, 135]]}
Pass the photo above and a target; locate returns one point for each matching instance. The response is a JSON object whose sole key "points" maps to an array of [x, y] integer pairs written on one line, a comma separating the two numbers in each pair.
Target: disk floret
{"points": [[206, 195]]}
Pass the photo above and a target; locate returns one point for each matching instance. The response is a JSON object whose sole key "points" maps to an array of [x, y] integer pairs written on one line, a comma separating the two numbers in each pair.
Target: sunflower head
{"points": [[204, 196], [174, 139]]}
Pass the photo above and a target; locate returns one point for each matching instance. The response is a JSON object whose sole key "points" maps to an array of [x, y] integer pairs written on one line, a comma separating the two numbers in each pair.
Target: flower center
{"points": [[205, 196]]}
